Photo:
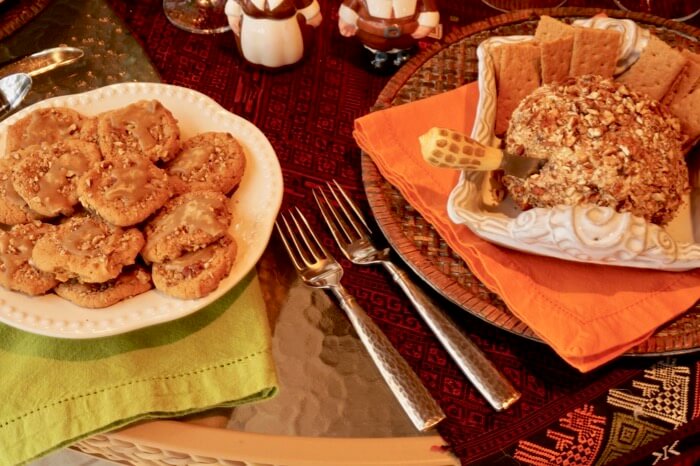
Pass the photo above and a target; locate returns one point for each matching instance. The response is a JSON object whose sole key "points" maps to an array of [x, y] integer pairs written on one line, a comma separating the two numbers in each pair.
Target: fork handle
{"points": [[488, 380], [408, 389]]}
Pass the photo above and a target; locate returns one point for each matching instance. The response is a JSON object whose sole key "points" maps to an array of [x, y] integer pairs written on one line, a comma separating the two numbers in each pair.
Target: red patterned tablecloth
{"points": [[634, 410]]}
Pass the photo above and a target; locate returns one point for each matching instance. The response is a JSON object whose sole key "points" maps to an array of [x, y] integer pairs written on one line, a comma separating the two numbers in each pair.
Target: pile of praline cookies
{"points": [[100, 209]]}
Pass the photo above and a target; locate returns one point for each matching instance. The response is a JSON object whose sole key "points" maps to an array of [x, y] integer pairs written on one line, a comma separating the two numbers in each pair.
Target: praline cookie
{"points": [[145, 127], [50, 125], [124, 191], [208, 161], [46, 175], [186, 223], [13, 209], [196, 274], [131, 282], [16, 273], [87, 248]]}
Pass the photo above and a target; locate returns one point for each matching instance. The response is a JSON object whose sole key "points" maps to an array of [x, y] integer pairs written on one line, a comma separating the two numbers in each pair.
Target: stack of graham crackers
{"points": [[560, 50]]}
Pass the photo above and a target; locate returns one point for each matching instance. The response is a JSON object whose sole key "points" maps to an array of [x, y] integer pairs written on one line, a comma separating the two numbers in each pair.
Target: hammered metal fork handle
{"points": [[488, 380], [408, 389]]}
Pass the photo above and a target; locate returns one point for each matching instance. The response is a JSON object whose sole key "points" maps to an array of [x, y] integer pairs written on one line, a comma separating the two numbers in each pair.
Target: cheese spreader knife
{"points": [[448, 148], [41, 62]]}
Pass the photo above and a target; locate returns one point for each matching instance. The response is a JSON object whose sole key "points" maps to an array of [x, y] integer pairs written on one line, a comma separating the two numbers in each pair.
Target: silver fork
{"points": [[317, 268], [352, 234]]}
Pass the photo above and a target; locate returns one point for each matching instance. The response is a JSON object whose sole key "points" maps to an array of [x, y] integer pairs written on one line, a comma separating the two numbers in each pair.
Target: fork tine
{"points": [[286, 238], [349, 203], [313, 245], [338, 227]]}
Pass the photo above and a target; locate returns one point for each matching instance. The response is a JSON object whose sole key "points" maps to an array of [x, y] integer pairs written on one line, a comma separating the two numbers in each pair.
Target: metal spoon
{"points": [[13, 89]]}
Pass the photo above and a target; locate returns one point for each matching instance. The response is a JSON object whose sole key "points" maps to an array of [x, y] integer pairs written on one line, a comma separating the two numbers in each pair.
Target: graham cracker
{"points": [[686, 110], [595, 51], [519, 76], [549, 28], [656, 69], [686, 81], [556, 59], [683, 98], [496, 54], [695, 57]]}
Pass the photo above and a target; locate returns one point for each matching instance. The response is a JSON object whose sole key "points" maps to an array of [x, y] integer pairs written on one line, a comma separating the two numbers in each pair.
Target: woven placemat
{"points": [[16, 13], [447, 66]]}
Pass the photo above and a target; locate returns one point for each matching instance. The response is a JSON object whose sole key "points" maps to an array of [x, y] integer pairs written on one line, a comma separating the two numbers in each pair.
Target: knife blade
{"points": [[41, 62], [447, 148]]}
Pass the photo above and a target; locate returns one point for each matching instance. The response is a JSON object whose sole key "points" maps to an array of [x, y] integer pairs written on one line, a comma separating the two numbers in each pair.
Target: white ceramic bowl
{"points": [[583, 233]]}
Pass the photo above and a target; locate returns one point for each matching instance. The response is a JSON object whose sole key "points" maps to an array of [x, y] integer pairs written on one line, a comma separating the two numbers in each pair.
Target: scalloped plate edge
{"points": [[255, 205]]}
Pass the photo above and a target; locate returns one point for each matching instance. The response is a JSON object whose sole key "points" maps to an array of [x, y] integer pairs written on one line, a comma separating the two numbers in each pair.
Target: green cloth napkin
{"points": [[57, 391]]}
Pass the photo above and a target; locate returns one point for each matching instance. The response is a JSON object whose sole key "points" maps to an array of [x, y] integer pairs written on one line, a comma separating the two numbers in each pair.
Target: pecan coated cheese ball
{"points": [[606, 146]]}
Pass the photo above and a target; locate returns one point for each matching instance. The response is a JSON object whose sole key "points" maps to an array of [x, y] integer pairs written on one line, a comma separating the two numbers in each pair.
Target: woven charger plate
{"points": [[447, 66], [16, 13]]}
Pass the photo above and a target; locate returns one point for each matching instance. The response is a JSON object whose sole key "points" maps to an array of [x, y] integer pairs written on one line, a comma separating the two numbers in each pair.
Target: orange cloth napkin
{"points": [[588, 314]]}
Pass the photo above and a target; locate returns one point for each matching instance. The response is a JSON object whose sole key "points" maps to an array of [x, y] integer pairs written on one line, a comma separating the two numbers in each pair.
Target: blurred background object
{"points": [[508, 5], [389, 30], [198, 16], [680, 10], [273, 33]]}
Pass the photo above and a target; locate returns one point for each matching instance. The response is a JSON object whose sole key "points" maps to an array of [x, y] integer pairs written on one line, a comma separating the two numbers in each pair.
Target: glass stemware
{"points": [[508, 5], [198, 16]]}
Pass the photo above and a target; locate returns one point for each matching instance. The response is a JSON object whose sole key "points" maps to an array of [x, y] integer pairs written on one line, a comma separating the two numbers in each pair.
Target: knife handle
{"points": [[481, 372], [407, 387], [448, 148]]}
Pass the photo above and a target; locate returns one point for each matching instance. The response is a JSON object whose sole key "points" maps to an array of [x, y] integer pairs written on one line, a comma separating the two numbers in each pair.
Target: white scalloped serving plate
{"points": [[254, 204], [585, 233]]}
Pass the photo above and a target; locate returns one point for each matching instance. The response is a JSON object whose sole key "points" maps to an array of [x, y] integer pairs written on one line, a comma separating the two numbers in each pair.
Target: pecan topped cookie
{"points": [[186, 223], [87, 248], [208, 162], [46, 175], [13, 209], [145, 127], [124, 191], [133, 281], [49, 125], [16, 273], [196, 274]]}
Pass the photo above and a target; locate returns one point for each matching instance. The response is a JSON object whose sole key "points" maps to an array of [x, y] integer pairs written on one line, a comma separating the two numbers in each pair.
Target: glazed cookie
{"points": [[46, 175], [186, 223], [131, 282], [196, 274], [145, 127], [13, 209], [50, 125], [87, 248], [124, 191], [208, 162], [16, 273]]}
